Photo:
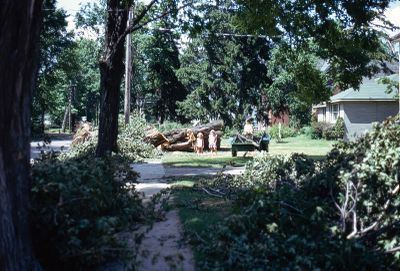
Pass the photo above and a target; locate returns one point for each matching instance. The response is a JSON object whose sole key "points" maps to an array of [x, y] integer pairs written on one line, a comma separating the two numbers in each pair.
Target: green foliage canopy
{"points": [[342, 30], [55, 43], [224, 74]]}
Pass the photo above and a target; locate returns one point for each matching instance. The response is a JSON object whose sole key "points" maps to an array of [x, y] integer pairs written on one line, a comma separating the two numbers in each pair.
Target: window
{"points": [[335, 111]]}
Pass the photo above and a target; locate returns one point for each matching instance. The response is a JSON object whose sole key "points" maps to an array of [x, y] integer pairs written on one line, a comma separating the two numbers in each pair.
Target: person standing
{"points": [[248, 129], [199, 143], [191, 138], [212, 142]]}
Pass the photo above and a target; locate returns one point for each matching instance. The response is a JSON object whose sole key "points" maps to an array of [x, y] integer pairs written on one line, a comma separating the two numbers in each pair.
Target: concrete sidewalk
{"points": [[154, 176], [162, 246]]}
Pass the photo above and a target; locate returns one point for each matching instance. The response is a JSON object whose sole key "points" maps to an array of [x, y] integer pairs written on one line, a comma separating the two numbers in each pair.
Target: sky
{"points": [[393, 13], [72, 6]]}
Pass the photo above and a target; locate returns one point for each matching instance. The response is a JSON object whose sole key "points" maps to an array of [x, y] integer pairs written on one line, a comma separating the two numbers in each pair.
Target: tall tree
{"points": [[298, 82], [54, 41], [160, 54], [224, 70], [111, 63], [77, 65], [88, 78], [19, 50], [111, 72]]}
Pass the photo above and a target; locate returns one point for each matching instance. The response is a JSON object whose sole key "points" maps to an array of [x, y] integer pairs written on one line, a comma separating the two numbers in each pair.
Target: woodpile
{"points": [[82, 134], [177, 140]]}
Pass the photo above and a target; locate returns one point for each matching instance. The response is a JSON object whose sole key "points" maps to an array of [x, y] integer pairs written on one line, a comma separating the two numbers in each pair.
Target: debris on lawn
{"points": [[178, 140]]}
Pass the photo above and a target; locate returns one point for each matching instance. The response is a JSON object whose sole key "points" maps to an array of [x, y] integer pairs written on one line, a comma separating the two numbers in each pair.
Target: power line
{"points": [[222, 34], [63, 9], [173, 30], [213, 33]]}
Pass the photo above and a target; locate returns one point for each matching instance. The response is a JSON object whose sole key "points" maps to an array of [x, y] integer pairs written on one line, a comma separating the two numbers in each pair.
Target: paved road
{"points": [[55, 145]]}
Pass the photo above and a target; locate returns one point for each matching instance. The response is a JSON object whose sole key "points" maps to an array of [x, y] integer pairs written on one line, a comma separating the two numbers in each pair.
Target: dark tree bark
{"points": [[112, 68], [19, 36], [111, 72]]}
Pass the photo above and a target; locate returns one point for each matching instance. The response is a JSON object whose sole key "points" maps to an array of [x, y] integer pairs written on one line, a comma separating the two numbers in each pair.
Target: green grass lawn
{"points": [[316, 149], [198, 212]]}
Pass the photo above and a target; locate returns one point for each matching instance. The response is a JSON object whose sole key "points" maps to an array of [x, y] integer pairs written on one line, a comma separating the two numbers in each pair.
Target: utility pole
{"points": [[68, 109], [67, 114], [128, 71]]}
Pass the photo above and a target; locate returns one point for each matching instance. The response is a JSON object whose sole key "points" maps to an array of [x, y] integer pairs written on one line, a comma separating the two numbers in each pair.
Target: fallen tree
{"points": [[177, 140], [83, 134]]}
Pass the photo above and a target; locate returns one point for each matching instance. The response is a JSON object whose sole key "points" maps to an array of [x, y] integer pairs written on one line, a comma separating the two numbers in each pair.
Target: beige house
{"points": [[359, 108]]}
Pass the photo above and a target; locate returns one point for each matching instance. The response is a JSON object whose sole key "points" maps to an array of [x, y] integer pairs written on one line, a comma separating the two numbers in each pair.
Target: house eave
{"points": [[363, 100], [319, 106]]}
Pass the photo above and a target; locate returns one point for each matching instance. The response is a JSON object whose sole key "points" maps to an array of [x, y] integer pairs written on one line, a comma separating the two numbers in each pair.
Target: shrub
{"points": [[130, 143], [339, 129], [319, 129], [286, 132], [327, 130], [80, 203], [307, 131], [291, 213], [78, 207], [270, 171], [83, 150], [130, 140], [282, 223]]}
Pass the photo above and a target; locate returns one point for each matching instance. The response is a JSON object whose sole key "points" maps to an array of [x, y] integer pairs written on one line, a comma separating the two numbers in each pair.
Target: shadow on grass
{"points": [[317, 157], [209, 161], [198, 212]]}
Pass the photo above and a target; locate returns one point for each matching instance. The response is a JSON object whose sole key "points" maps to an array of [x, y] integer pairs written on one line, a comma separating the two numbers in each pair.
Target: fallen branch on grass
{"points": [[211, 194]]}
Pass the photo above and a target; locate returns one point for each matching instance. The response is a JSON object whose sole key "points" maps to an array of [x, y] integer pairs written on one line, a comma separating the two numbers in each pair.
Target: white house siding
{"points": [[330, 116], [359, 116], [321, 115], [328, 113], [341, 111]]}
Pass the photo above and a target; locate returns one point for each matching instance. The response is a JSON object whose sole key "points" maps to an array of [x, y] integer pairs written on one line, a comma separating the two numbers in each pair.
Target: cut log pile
{"points": [[177, 140], [84, 133]]}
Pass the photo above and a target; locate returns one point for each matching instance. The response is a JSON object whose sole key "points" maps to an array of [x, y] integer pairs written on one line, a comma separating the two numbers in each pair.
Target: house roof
{"points": [[395, 38], [370, 90]]}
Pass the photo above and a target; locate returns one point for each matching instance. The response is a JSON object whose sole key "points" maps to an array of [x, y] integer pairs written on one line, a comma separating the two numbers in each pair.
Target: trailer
{"points": [[242, 143]]}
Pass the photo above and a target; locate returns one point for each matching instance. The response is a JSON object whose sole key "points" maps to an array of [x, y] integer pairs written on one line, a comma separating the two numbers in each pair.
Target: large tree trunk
{"points": [[19, 36], [111, 72], [176, 140]]}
